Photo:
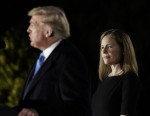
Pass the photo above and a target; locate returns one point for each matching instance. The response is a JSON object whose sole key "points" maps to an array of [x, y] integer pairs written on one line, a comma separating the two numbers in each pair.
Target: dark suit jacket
{"points": [[62, 86]]}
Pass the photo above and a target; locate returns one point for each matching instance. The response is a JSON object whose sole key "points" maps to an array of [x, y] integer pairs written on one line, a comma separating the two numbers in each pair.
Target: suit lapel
{"points": [[46, 65]]}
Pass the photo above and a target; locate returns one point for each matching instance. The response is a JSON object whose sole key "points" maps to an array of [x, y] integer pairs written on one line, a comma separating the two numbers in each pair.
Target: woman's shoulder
{"points": [[131, 77], [130, 74]]}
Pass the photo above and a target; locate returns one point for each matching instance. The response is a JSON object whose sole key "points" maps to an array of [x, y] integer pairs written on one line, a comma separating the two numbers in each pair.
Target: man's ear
{"points": [[49, 32]]}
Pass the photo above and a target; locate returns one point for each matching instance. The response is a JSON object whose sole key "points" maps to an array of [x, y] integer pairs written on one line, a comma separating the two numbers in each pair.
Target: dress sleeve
{"points": [[130, 93]]}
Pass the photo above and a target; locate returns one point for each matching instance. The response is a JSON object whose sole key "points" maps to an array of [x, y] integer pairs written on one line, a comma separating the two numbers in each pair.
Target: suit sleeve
{"points": [[75, 88]]}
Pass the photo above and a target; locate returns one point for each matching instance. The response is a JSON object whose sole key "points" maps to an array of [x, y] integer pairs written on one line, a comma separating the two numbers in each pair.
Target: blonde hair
{"points": [[128, 61], [54, 17]]}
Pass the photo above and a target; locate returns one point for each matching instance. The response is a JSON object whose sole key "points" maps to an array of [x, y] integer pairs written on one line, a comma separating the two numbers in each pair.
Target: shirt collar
{"points": [[49, 50]]}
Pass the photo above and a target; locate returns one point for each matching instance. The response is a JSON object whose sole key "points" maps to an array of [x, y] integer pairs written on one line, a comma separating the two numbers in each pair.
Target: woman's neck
{"points": [[116, 70]]}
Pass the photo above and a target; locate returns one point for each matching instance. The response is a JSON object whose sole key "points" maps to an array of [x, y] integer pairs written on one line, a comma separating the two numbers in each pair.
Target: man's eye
{"points": [[102, 47]]}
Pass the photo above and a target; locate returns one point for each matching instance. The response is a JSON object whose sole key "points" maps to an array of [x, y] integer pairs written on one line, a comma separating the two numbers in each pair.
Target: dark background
{"points": [[88, 19]]}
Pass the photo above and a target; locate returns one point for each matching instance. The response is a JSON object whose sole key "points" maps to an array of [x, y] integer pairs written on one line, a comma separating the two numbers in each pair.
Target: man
{"points": [[61, 87]]}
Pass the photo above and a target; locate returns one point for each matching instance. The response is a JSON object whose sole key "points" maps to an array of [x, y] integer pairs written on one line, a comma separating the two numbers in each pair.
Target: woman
{"points": [[118, 92]]}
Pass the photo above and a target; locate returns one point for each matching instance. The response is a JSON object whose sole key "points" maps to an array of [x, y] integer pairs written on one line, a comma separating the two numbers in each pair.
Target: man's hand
{"points": [[28, 112]]}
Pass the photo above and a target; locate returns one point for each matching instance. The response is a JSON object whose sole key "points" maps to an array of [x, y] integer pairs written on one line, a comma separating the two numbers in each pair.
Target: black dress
{"points": [[116, 95]]}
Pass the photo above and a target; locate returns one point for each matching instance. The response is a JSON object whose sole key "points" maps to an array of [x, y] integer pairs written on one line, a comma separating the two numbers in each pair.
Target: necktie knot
{"points": [[39, 63], [41, 58]]}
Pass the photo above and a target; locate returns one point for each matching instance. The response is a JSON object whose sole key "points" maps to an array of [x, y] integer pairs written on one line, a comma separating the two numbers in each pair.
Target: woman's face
{"points": [[110, 50]]}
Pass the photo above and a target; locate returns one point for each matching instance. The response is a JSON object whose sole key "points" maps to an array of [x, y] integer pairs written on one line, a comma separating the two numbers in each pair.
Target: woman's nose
{"points": [[104, 50]]}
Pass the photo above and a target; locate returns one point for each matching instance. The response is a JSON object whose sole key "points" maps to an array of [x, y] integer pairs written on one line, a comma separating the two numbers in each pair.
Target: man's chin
{"points": [[32, 45]]}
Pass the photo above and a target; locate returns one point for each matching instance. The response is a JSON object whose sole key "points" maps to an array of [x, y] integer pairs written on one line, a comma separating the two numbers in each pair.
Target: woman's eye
{"points": [[110, 46]]}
